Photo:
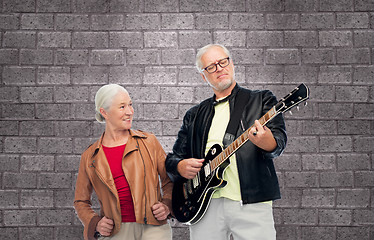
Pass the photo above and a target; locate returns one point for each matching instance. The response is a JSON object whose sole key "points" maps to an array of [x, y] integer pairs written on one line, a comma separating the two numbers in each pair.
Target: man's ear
{"points": [[203, 76]]}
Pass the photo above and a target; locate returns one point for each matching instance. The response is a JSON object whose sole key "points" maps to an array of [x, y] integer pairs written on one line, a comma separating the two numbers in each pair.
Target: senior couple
{"points": [[133, 177]]}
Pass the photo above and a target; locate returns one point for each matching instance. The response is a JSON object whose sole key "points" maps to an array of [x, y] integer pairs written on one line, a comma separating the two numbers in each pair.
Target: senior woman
{"points": [[124, 167]]}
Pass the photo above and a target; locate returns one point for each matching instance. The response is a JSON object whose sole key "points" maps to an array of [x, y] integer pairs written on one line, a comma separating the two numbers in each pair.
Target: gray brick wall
{"points": [[54, 55]]}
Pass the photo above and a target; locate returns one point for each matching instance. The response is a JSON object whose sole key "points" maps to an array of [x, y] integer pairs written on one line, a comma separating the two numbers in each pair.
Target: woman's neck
{"points": [[114, 138]]}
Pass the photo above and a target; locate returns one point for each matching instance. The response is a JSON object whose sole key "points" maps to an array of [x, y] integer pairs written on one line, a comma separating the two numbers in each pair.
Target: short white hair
{"points": [[104, 97], [204, 49]]}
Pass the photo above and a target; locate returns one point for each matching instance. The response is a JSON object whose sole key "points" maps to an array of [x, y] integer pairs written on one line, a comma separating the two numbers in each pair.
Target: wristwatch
{"points": [[97, 235]]}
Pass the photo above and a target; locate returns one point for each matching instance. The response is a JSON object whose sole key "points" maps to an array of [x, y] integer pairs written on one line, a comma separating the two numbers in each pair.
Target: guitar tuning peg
{"points": [[305, 103], [290, 113], [298, 108]]}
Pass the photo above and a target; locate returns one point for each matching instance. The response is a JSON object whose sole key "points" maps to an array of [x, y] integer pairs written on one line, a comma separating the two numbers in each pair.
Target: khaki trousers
{"points": [[137, 231]]}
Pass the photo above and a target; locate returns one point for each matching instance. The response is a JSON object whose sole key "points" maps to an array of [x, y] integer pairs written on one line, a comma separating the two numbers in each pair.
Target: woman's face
{"points": [[120, 114]]}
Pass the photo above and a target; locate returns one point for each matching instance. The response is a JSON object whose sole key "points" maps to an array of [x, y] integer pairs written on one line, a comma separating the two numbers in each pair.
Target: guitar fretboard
{"points": [[243, 138]]}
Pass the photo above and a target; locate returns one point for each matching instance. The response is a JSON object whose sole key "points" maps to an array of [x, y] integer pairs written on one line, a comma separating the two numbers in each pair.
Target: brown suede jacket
{"points": [[143, 164]]}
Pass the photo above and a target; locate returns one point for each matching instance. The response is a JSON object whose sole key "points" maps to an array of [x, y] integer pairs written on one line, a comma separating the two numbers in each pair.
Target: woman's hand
{"points": [[105, 226], [160, 211]]}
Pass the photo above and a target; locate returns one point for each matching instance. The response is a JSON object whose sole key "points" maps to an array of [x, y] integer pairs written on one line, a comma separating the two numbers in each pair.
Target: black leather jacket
{"points": [[257, 176]]}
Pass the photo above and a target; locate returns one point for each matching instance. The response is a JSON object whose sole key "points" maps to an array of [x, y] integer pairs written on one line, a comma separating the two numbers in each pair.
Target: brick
{"points": [[363, 38], [9, 21], [37, 21], [36, 94], [52, 111], [89, 75], [9, 128], [300, 216], [126, 75], [9, 163], [353, 232], [291, 198], [149, 126], [323, 198], [336, 144], [364, 178], [37, 163], [19, 39], [108, 22], [54, 180], [336, 179], [211, 5], [248, 56], [308, 144], [144, 94], [53, 6], [317, 20], [160, 39], [318, 161], [145, 56], [335, 38], [143, 21], [265, 39], [54, 217], [90, 40], [161, 111], [71, 57], [230, 38], [286, 232], [212, 21], [9, 56], [55, 145], [72, 22], [266, 74], [108, 57], [363, 144], [335, 74], [74, 129], [20, 217], [167, 143], [352, 161], [161, 6], [352, 94], [53, 75], [81, 144], [190, 77], [9, 199], [266, 6], [18, 111], [194, 39], [318, 233], [353, 198], [36, 199], [336, 5], [317, 56], [178, 56], [301, 6], [363, 75], [288, 162], [177, 94], [364, 111], [40, 233], [36, 57], [338, 217], [54, 39], [300, 38], [352, 20], [353, 56], [71, 94], [295, 74], [127, 6], [180, 21], [93, 6], [362, 217], [67, 163], [364, 5], [126, 39], [282, 56], [282, 21], [160, 75], [18, 5], [246, 21], [19, 180], [169, 128], [301, 179], [353, 127], [64, 198]]}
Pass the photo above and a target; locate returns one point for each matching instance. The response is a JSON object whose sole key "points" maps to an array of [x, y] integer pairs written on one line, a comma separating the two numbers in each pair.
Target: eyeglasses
{"points": [[213, 67]]}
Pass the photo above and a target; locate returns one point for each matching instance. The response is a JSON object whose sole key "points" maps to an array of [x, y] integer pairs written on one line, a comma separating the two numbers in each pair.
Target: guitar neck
{"points": [[243, 138]]}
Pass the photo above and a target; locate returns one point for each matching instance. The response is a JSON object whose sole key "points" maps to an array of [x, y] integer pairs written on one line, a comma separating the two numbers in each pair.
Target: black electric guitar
{"points": [[191, 197]]}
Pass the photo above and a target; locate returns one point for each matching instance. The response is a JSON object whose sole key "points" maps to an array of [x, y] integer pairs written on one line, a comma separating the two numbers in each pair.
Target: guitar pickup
{"points": [[207, 170]]}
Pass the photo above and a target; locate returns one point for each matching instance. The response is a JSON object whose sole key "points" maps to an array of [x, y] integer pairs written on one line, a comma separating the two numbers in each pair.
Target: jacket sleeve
{"points": [[82, 202], [276, 125], [179, 151]]}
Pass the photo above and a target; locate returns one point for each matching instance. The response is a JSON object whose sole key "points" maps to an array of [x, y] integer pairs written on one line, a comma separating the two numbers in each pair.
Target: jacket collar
{"points": [[227, 98]]}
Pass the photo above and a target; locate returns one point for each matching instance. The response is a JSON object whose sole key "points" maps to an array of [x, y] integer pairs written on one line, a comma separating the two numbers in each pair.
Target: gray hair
{"points": [[104, 97], [204, 49]]}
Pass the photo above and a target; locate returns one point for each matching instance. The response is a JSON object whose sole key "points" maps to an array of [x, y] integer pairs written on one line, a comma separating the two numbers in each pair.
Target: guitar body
{"points": [[191, 197]]}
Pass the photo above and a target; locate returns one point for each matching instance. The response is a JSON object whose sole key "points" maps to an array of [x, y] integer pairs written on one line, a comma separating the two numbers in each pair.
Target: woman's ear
{"points": [[103, 113]]}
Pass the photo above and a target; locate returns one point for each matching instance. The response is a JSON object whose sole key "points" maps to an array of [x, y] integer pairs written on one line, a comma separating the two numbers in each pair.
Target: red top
{"points": [[114, 156]]}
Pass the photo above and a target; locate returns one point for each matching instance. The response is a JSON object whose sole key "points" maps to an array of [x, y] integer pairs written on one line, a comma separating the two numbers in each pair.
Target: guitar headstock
{"points": [[296, 96]]}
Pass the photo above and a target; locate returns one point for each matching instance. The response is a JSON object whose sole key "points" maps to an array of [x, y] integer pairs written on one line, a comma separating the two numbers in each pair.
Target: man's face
{"points": [[221, 79]]}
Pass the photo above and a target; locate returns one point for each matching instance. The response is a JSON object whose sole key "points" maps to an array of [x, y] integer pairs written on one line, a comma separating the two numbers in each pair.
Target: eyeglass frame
{"points": [[215, 64]]}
